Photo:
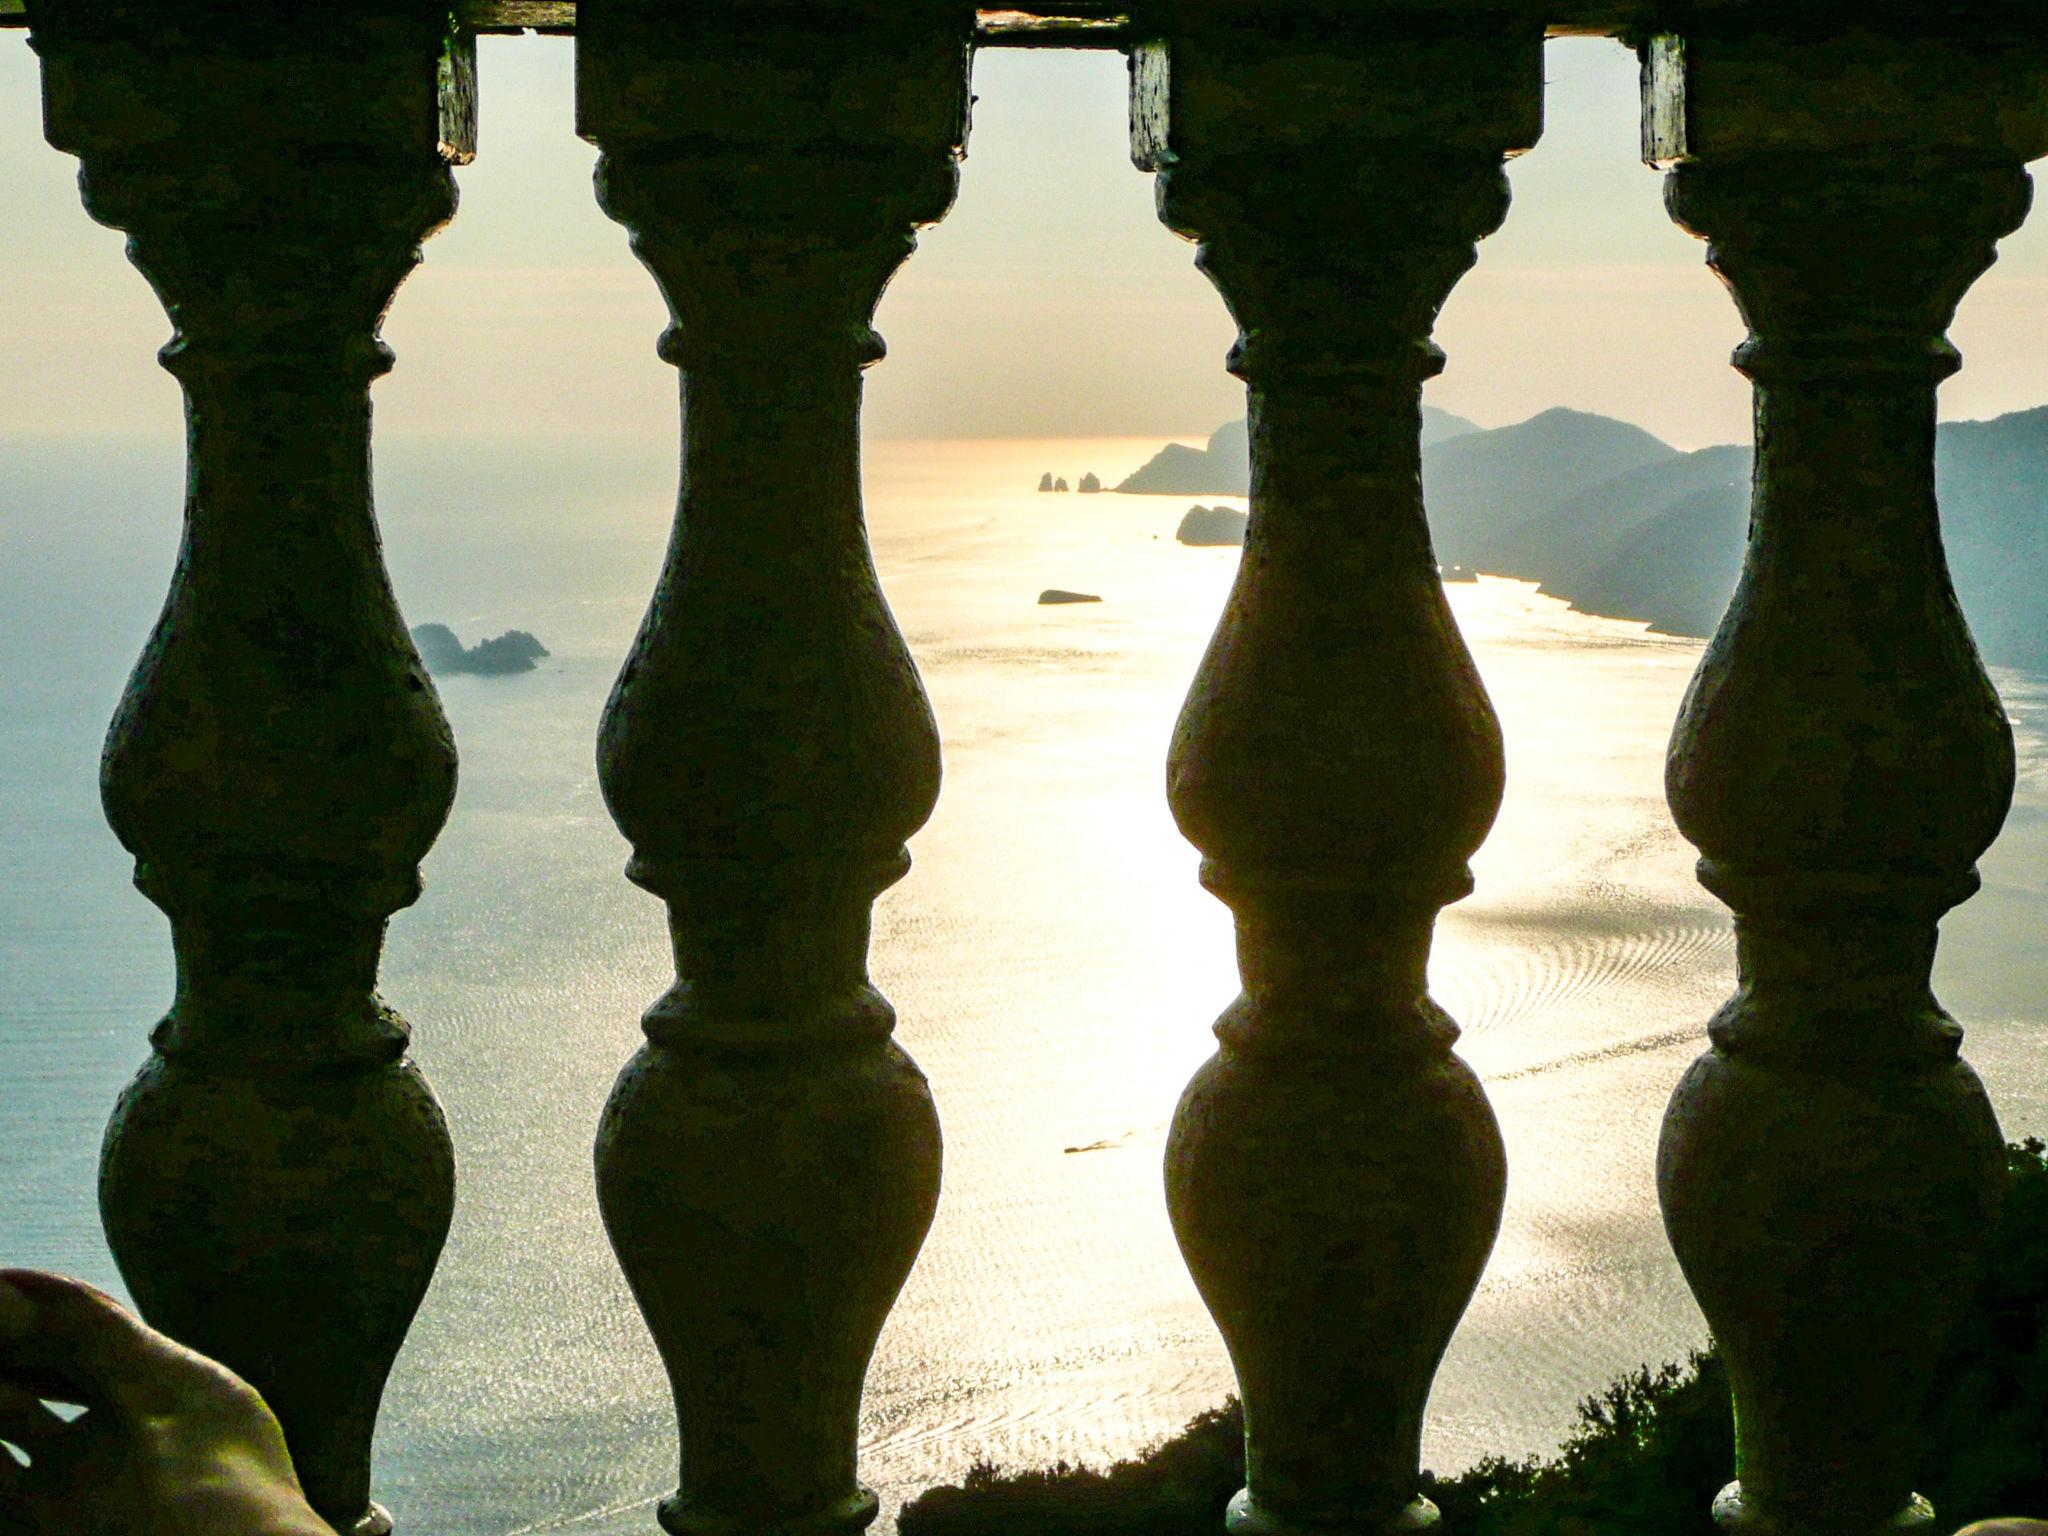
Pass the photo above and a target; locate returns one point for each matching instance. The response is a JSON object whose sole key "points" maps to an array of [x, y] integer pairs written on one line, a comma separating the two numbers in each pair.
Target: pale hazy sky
{"points": [[1050, 303]]}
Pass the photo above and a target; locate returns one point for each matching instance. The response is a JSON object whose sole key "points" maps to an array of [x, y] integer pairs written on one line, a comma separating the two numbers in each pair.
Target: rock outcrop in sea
{"points": [[1061, 595], [444, 654], [1212, 525], [1089, 484]]}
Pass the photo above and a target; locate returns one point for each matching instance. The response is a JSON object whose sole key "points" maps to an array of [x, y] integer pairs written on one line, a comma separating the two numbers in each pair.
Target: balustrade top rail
{"points": [[1109, 23]]}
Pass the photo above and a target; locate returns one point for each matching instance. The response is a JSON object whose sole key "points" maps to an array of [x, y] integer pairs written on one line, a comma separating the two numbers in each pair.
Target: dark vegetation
{"points": [[1647, 1454]]}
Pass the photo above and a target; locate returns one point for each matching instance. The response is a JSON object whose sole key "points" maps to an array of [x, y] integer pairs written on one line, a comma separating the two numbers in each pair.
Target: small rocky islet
{"points": [[444, 654], [1213, 525]]}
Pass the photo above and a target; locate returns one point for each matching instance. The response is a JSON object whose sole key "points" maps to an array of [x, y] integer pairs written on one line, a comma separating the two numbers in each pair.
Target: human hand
{"points": [[170, 1443]]}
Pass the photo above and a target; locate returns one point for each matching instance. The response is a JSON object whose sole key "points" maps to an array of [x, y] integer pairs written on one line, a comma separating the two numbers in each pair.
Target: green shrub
{"points": [[1986, 1443], [1647, 1455]]}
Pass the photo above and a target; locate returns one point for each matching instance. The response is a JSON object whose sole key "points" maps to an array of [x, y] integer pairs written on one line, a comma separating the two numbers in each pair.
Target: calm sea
{"points": [[1053, 961]]}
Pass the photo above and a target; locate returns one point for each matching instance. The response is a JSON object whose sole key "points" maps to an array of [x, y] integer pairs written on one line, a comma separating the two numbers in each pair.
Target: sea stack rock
{"points": [[1059, 485], [1089, 484], [1212, 525], [443, 653], [1045, 481], [1061, 595]]}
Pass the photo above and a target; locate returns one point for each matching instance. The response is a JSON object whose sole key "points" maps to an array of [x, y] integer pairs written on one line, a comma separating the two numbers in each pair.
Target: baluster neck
{"points": [[1845, 724], [1362, 508], [246, 960], [281, 659], [1835, 972], [1337, 964], [772, 268]]}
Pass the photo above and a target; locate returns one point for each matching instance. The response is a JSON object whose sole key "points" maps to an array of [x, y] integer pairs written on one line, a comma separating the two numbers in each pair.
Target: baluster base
{"points": [[1247, 1517], [1335, 1209], [300, 1273], [766, 1207], [846, 1517], [1732, 1515]]}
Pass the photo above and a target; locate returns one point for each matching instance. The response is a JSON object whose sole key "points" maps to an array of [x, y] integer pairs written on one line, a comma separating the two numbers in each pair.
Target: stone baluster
{"points": [[1829, 1169], [1334, 1172], [277, 1180], [768, 1163]]}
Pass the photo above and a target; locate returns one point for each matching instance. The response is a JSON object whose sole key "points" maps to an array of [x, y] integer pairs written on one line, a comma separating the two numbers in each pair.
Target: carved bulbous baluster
{"points": [[768, 1163], [1334, 1173], [1829, 1169], [277, 1180]]}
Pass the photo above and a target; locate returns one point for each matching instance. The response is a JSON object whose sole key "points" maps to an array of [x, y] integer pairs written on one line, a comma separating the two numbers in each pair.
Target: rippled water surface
{"points": [[1053, 961]]}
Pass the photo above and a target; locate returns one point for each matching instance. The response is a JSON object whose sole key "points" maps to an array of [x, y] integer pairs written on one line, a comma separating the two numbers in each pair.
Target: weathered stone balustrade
{"points": [[277, 1181]]}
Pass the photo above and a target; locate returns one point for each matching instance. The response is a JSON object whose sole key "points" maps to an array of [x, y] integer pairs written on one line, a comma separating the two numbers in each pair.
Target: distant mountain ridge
{"points": [[1664, 539], [1615, 522], [1992, 477], [1224, 467], [1484, 487]]}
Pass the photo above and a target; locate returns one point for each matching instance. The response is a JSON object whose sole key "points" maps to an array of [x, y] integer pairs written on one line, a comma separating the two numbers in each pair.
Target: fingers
{"points": [[65, 1339]]}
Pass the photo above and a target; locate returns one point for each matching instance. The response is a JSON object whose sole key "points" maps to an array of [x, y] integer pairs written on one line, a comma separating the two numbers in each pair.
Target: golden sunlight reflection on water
{"points": [[1582, 970], [1082, 963]]}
